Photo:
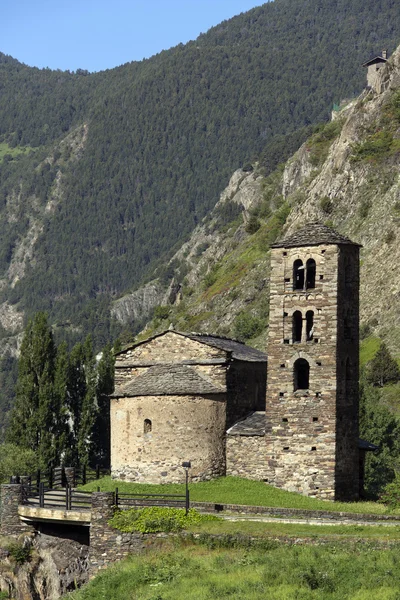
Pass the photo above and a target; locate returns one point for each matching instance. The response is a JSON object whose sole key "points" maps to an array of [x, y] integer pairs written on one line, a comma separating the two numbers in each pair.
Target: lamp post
{"points": [[186, 465]]}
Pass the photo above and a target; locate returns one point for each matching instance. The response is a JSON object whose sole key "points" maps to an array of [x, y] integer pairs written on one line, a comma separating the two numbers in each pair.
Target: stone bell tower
{"points": [[313, 364]]}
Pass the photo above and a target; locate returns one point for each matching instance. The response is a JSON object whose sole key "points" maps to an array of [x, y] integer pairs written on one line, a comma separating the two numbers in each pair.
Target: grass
{"points": [[368, 348], [273, 572], [234, 490], [259, 529]]}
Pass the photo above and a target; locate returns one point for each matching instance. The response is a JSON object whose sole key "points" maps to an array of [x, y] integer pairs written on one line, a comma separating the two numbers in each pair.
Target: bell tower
{"points": [[313, 364]]}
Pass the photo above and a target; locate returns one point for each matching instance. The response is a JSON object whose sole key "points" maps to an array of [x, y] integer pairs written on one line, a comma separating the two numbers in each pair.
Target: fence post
{"points": [[51, 478], [66, 496], [37, 480], [116, 497], [11, 497], [97, 471], [41, 495], [84, 474]]}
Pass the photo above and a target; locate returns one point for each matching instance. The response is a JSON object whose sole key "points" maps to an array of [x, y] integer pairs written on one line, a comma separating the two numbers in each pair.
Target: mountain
{"points": [[347, 175], [104, 175]]}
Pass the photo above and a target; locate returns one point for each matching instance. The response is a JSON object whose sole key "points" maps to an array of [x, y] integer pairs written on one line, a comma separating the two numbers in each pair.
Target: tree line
{"points": [[61, 410]]}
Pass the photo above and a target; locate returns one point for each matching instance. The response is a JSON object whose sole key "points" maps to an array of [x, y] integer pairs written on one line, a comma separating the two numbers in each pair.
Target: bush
{"points": [[247, 326], [391, 493], [326, 205], [162, 312], [157, 519], [16, 461], [20, 553], [252, 225]]}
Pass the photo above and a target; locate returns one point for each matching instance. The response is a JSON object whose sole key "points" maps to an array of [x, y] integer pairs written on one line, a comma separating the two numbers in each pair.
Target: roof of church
{"points": [[239, 350], [313, 234], [252, 425], [236, 349], [168, 380]]}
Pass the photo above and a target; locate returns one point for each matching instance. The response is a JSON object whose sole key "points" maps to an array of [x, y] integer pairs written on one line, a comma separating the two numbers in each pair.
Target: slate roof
{"points": [[168, 380], [368, 446], [371, 61], [313, 234], [252, 425], [237, 349]]}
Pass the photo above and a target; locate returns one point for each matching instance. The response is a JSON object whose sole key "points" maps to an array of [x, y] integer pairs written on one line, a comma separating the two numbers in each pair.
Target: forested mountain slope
{"points": [[347, 175], [126, 162]]}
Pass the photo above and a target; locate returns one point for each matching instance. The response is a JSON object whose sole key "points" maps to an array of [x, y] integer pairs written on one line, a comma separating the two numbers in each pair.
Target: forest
{"points": [[103, 175]]}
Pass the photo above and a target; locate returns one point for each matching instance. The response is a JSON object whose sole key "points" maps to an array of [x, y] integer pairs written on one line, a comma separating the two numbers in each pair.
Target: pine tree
{"points": [[104, 388], [35, 413], [383, 368]]}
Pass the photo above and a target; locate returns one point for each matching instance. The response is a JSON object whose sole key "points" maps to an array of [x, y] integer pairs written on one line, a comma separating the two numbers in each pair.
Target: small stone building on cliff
{"points": [[175, 396]]}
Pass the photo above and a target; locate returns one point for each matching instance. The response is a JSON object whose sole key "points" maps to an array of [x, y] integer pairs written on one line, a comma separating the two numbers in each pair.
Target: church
{"points": [[289, 418]]}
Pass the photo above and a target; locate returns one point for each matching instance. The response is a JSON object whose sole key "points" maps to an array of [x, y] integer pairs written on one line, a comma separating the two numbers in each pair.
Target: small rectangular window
{"points": [[318, 394], [319, 363], [281, 394], [321, 277], [283, 366], [287, 279], [284, 253], [285, 314], [315, 419], [323, 251], [316, 340], [284, 420], [313, 448], [286, 341], [286, 448]]}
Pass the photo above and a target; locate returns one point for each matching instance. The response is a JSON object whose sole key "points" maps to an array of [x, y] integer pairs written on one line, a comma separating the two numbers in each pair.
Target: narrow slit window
{"points": [[147, 427], [311, 269], [297, 325], [310, 325], [301, 374], [298, 275]]}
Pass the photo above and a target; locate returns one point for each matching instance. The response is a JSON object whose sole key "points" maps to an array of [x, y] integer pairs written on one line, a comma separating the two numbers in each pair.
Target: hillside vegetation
{"points": [[129, 160]]}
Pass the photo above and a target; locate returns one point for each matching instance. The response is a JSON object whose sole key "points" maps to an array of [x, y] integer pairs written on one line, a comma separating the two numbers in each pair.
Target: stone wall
{"points": [[301, 436], [182, 428], [245, 457], [11, 498]]}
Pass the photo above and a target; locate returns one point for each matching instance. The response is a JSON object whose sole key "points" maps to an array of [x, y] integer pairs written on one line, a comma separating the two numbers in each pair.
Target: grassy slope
{"points": [[274, 572], [234, 490]]}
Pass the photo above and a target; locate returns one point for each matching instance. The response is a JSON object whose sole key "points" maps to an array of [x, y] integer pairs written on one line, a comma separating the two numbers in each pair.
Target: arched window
{"points": [[309, 325], [310, 278], [298, 275], [297, 326], [147, 426], [301, 374]]}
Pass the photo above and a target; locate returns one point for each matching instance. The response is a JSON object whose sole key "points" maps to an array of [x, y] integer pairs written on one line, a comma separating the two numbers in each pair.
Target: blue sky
{"points": [[101, 34]]}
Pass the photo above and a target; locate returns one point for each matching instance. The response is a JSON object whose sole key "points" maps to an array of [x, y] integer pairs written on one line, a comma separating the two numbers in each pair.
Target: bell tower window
{"points": [[297, 325], [311, 269], [147, 427], [301, 374], [310, 325], [298, 275]]}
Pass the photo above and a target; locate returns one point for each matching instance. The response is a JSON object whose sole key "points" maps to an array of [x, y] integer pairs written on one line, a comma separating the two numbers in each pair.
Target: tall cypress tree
{"points": [[104, 388], [36, 412]]}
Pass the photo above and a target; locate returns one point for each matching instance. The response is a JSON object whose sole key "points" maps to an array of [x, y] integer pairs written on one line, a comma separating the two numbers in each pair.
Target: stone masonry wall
{"points": [[11, 498], [182, 428], [245, 457], [301, 425]]}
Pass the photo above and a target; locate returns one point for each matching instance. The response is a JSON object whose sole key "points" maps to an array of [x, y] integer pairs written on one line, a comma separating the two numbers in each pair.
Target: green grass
{"points": [[368, 348], [272, 572], [260, 529], [234, 490]]}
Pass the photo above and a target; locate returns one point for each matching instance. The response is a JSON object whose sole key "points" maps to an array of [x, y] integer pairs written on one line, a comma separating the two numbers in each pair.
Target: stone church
{"points": [[205, 399]]}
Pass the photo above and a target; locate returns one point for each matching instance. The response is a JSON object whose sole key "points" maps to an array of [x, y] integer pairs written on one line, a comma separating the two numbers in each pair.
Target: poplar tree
{"points": [[104, 388], [36, 411]]}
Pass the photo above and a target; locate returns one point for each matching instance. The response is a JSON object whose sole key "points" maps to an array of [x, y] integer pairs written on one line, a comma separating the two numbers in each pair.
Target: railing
{"points": [[139, 500], [59, 477], [62, 499]]}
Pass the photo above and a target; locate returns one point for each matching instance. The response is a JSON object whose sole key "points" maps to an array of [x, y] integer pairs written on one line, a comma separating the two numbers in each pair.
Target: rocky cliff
{"points": [[346, 175]]}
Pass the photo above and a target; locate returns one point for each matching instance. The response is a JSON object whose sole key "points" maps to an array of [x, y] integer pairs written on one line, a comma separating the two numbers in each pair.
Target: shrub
{"points": [[247, 326], [157, 519], [391, 493], [16, 461], [326, 205], [390, 237], [247, 168], [162, 312], [20, 553], [253, 224]]}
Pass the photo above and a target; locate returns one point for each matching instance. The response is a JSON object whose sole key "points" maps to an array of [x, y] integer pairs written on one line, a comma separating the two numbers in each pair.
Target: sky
{"points": [[102, 34]]}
